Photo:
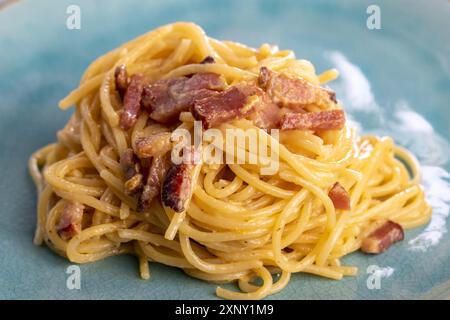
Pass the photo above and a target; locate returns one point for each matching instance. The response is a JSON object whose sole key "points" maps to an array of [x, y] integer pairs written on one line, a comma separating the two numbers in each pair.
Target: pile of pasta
{"points": [[238, 227]]}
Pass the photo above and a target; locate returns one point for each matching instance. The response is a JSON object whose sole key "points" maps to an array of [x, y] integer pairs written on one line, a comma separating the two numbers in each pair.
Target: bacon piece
{"points": [[70, 222], [132, 101], [322, 120], [131, 171], [177, 187], [339, 196], [157, 171], [154, 145], [294, 93], [266, 114], [382, 237], [122, 80], [204, 80], [208, 59], [235, 102], [165, 99], [129, 163]]}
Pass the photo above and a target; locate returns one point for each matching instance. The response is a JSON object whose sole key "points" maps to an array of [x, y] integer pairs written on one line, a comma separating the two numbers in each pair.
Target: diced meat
{"points": [[268, 117], [131, 172], [382, 238], [205, 80], [168, 112], [177, 187], [339, 196], [235, 102], [130, 165], [165, 99], [207, 60], [132, 102], [294, 93], [316, 121], [266, 114], [122, 80], [154, 145], [239, 101], [156, 98], [70, 222], [152, 188]]}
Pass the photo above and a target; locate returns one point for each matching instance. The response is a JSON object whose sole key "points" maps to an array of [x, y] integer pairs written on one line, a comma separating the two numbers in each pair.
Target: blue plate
{"points": [[394, 81]]}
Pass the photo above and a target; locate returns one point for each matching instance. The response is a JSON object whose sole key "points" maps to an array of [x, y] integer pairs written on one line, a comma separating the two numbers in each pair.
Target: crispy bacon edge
{"points": [[177, 187], [152, 187]]}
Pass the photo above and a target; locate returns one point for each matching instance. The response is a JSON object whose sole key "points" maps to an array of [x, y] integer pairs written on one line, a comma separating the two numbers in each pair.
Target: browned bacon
{"points": [[132, 101], [230, 104], [205, 80], [131, 171], [339, 196], [382, 238], [294, 93], [177, 186], [155, 177], [322, 120], [70, 222], [154, 145], [165, 99], [122, 80], [129, 163], [266, 114]]}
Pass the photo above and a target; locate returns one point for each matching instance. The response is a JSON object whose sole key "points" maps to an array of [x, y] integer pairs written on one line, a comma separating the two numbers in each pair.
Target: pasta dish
{"points": [[231, 163]]}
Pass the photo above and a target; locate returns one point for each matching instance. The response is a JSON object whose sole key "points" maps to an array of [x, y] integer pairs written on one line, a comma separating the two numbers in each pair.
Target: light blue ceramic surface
{"points": [[395, 81]]}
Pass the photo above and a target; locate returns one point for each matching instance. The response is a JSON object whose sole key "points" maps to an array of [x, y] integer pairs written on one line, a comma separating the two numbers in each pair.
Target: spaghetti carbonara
{"points": [[110, 186]]}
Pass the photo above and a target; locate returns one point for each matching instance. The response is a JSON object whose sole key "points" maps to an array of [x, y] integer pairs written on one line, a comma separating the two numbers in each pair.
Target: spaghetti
{"points": [[238, 225]]}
